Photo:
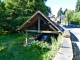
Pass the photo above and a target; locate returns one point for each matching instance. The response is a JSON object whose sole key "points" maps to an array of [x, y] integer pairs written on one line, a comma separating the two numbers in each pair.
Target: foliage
{"points": [[73, 17], [11, 48], [69, 15], [60, 12], [15, 12], [76, 18], [65, 11], [3, 17], [49, 9], [77, 6]]}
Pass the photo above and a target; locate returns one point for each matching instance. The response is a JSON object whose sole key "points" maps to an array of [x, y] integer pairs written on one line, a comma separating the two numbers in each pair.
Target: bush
{"points": [[76, 18], [75, 22]]}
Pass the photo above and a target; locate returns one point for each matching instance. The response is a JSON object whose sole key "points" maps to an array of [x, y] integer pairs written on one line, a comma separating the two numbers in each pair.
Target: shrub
{"points": [[76, 18]]}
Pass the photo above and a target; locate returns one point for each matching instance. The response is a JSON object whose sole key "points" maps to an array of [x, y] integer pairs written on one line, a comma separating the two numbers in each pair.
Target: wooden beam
{"points": [[52, 27], [23, 33], [55, 32], [39, 23]]}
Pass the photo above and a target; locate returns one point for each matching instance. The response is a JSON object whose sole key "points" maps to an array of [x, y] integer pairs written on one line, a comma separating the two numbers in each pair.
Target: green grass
{"points": [[56, 45], [11, 48], [9, 45]]}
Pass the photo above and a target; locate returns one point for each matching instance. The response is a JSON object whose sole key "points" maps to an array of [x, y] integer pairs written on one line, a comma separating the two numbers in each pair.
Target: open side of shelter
{"points": [[39, 23]]}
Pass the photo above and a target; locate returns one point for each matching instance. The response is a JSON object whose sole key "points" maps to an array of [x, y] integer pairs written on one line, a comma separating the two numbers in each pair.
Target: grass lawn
{"points": [[11, 48]]}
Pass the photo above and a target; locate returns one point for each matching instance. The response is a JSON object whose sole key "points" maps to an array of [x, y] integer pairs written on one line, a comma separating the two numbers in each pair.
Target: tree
{"points": [[59, 12], [3, 17], [20, 10], [49, 9], [65, 11], [69, 15], [77, 6], [76, 18]]}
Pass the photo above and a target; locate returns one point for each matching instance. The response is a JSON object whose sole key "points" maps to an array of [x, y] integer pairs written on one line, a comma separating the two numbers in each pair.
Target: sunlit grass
{"points": [[56, 45]]}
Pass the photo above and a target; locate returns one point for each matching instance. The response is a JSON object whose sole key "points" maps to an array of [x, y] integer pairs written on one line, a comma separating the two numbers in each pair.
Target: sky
{"points": [[57, 4]]}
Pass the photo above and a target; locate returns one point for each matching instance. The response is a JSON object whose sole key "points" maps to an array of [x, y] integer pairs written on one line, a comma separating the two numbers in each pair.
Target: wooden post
{"points": [[26, 38], [38, 23]]}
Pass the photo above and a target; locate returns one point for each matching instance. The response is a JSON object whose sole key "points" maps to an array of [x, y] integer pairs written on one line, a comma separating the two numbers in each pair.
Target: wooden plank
{"points": [[55, 32]]}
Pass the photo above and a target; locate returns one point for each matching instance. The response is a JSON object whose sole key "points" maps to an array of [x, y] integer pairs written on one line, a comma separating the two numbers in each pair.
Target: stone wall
{"points": [[65, 52]]}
